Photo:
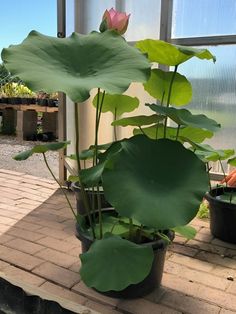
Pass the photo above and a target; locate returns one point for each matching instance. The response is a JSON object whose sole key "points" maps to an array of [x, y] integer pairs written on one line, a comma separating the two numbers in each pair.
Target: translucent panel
{"points": [[203, 18], [214, 92], [70, 17], [92, 13], [144, 19]]}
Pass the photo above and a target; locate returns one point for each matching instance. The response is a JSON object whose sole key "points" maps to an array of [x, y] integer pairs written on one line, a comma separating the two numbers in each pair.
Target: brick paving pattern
{"points": [[38, 247]]}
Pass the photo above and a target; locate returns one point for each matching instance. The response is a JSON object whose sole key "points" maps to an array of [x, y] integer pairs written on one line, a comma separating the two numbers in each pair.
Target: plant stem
{"points": [[158, 123], [208, 172], [115, 133], [95, 160], [83, 192], [142, 130], [99, 212], [130, 228], [60, 186], [222, 168], [177, 133], [168, 98]]}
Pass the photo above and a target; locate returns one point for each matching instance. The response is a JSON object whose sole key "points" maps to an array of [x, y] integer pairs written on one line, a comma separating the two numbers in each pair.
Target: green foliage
{"points": [[186, 118], [203, 211], [76, 64], [138, 120], [114, 263], [186, 231], [169, 54], [159, 194], [159, 83], [117, 104], [41, 149]]}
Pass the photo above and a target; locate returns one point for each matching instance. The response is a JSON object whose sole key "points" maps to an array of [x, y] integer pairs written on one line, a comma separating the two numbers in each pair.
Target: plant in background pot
{"points": [[152, 181], [222, 197]]}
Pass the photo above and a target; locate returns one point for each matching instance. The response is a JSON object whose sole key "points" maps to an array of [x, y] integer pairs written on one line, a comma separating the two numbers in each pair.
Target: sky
{"points": [[19, 17]]}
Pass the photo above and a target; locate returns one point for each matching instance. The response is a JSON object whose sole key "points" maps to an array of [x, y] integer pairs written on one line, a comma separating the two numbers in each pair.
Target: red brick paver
{"points": [[37, 247]]}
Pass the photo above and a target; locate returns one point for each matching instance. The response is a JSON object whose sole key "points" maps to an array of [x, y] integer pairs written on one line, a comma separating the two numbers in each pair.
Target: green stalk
{"points": [[60, 186], [168, 98], [83, 192], [158, 123], [130, 228], [142, 130], [99, 212], [115, 133], [208, 172], [97, 122], [177, 133], [222, 168]]}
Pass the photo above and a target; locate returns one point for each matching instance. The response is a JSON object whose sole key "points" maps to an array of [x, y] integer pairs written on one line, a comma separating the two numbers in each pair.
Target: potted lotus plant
{"points": [[153, 182], [222, 197]]}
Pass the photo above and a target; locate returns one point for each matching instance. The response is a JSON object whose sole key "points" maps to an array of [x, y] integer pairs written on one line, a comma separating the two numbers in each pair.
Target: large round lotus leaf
{"points": [[114, 263], [158, 182], [159, 83], [169, 54], [117, 104], [77, 64]]}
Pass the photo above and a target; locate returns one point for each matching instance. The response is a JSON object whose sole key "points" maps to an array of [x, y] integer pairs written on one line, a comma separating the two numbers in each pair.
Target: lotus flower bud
{"points": [[116, 20]]}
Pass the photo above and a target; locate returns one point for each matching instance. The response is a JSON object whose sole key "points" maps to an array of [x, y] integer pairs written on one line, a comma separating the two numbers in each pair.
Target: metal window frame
{"points": [[61, 33], [214, 40]]}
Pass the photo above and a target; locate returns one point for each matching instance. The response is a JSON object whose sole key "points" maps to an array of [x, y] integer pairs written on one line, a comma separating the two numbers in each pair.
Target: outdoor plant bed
{"points": [[222, 207]]}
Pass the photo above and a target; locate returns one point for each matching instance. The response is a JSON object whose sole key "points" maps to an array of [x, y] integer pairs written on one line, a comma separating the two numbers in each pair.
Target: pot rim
{"points": [[210, 197]]}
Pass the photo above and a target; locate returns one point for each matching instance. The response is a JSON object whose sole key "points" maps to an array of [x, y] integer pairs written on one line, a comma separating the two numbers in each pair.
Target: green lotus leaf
{"points": [[165, 53], [117, 104], [232, 161], [138, 120], [158, 182], [119, 261], [195, 134], [111, 224], [186, 118], [76, 64], [186, 231], [158, 87], [40, 149], [92, 176], [208, 153]]}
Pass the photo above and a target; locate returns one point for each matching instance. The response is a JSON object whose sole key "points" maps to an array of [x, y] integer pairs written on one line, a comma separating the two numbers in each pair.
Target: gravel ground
{"points": [[10, 146]]}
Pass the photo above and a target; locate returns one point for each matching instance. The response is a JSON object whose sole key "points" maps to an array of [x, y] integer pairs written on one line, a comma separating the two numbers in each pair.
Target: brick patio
{"points": [[38, 248]]}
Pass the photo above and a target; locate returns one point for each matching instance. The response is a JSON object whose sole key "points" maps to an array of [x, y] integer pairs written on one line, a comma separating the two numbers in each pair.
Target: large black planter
{"points": [[151, 282], [222, 215], [91, 195]]}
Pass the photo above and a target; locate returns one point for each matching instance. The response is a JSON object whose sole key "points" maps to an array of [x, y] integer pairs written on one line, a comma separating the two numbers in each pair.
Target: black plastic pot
{"points": [[152, 281], [91, 195], [222, 215]]}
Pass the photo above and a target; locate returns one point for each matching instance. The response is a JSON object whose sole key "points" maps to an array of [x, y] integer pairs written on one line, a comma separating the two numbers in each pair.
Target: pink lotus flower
{"points": [[116, 20]]}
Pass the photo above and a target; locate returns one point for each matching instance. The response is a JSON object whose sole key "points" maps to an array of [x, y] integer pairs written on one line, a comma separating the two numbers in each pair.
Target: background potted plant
{"points": [[222, 197], [153, 182]]}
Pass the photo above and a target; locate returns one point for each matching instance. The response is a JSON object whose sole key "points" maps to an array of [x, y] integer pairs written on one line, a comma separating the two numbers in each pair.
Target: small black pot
{"points": [[222, 215], [79, 200], [151, 282]]}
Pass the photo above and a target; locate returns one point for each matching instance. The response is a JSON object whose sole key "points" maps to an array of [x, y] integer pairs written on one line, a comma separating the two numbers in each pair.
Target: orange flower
{"points": [[116, 20], [230, 179]]}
